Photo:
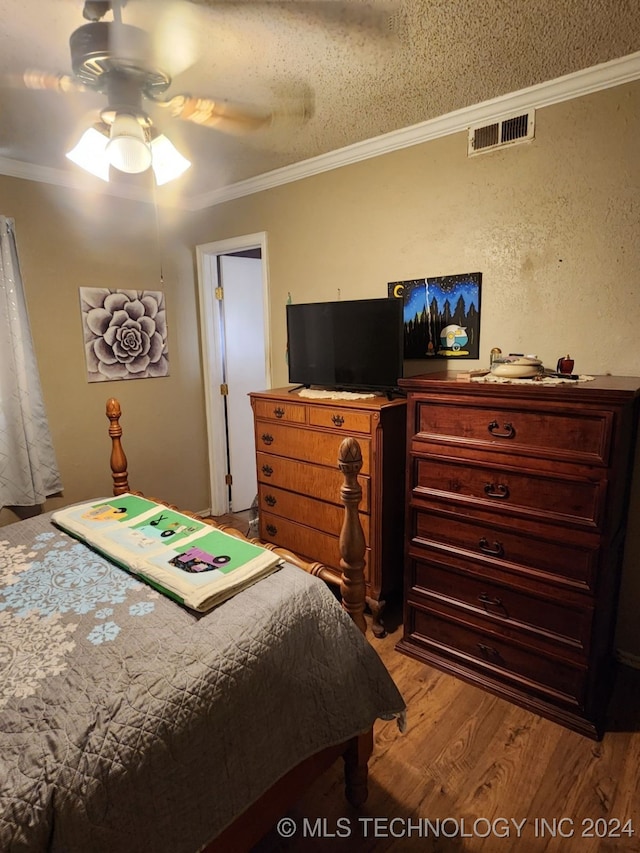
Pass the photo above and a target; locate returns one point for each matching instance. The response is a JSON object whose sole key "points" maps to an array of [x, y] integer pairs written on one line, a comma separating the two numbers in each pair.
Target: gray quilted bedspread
{"points": [[128, 723]]}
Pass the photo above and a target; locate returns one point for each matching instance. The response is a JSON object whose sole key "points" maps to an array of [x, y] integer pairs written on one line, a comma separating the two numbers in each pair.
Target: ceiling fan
{"points": [[116, 59]]}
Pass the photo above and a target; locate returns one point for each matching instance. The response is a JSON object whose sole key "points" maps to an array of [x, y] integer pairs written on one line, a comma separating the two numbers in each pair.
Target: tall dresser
{"points": [[297, 441], [516, 503]]}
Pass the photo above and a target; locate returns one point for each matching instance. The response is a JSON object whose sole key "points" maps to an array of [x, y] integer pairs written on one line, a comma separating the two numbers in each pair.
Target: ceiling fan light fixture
{"points": [[167, 162], [90, 153], [95, 148], [127, 148]]}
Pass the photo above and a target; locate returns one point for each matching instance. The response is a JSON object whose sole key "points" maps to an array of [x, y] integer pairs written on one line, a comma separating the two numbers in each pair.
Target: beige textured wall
{"points": [[68, 240], [552, 225]]}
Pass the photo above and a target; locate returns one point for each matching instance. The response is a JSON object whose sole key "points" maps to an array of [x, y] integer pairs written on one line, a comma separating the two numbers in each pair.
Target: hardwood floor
{"points": [[472, 764], [239, 520]]}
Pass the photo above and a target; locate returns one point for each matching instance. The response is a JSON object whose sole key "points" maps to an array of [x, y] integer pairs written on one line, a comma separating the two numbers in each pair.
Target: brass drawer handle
{"points": [[496, 550], [272, 529], [266, 438], [338, 420], [270, 500], [499, 491], [267, 470], [508, 433], [278, 412], [488, 652]]}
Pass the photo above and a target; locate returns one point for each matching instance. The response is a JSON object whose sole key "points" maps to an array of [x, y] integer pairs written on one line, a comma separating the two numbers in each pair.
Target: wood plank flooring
{"points": [[239, 520], [472, 764]]}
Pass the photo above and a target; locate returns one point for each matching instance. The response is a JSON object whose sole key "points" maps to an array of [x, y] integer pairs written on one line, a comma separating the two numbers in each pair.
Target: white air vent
{"points": [[499, 134]]}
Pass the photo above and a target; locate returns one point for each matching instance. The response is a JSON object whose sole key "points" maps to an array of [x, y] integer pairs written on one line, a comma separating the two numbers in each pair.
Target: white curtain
{"points": [[28, 469]]}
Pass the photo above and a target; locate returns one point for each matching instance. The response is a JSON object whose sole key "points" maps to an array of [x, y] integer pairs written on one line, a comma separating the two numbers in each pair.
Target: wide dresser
{"points": [[297, 440], [516, 508]]}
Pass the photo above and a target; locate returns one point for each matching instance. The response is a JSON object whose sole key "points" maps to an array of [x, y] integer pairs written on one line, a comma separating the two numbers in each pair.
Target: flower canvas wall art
{"points": [[125, 333]]}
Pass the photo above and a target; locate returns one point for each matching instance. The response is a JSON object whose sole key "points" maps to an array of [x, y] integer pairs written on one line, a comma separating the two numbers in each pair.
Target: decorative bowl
{"points": [[521, 367]]}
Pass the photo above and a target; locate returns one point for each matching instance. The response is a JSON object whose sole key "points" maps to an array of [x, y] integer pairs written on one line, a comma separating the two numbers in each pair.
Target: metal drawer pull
{"points": [[267, 470], [270, 500], [496, 550], [272, 529], [485, 599], [508, 433], [499, 491], [266, 438], [338, 420], [489, 652], [279, 413]]}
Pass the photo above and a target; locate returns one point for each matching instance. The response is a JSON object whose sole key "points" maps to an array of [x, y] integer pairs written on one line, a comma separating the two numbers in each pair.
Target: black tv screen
{"points": [[356, 345]]}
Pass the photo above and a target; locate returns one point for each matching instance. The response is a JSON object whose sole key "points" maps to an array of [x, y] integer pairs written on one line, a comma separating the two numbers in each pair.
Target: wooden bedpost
{"points": [[353, 589], [118, 459], [352, 543]]}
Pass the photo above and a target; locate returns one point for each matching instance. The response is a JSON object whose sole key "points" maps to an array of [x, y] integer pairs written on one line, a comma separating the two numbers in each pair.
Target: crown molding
{"points": [[594, 79], [61, 178]]}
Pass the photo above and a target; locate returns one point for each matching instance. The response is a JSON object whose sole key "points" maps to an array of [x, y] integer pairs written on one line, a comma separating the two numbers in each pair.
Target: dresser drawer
{"points": [[576, 435], [279, 411], [305, 541], [509, 546], [554, 498], [305, 444], [346, 420], [312, 480], [545, 620], [305, 510], [497, 658]]}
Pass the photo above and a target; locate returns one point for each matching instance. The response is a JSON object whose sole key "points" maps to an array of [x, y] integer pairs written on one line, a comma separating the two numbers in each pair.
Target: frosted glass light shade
{"points": [[90, 154], [93, 153], [127, 148], [167, 162]]}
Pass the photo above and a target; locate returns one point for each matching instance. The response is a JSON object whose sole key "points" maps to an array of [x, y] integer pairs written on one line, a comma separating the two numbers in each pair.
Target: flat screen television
{"points": [[351, 345]]}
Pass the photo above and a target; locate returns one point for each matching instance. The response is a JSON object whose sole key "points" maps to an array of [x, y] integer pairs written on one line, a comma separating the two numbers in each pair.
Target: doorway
{"points": [[235, 354]]}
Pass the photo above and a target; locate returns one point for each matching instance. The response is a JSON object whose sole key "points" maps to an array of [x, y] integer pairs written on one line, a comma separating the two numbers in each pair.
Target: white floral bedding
{"points": [[128, 723]]}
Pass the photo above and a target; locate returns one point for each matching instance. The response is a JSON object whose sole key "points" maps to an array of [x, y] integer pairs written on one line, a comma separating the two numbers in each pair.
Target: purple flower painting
{"points": [[125, 333]]}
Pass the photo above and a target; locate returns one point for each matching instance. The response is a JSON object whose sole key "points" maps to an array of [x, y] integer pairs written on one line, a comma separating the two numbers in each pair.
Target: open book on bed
{"points": [[186, 559]]}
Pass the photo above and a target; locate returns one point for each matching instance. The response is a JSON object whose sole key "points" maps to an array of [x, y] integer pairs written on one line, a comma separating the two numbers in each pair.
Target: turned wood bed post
{"points": [[118, 458], [352, 543], [352, 588]]}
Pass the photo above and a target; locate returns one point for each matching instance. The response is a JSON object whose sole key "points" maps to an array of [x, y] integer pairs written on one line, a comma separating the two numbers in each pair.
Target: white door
{"points": [[222, 324], [244, 357]]}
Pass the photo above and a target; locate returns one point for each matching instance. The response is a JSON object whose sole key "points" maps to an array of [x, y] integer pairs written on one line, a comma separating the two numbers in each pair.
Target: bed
{"points": [[130, 723]]}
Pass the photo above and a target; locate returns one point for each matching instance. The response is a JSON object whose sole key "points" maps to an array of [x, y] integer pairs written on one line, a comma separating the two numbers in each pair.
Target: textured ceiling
{"points": [[429, 57]]}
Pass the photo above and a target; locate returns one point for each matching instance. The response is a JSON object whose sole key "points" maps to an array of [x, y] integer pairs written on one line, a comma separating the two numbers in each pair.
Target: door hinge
{"points": [[224, 389], [219, 293], [228, 479]]}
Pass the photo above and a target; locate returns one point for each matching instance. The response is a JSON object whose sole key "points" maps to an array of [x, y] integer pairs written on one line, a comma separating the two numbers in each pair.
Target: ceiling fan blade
{"points": [[221, 115], [237, 118], [34, 78], [174, 31]]}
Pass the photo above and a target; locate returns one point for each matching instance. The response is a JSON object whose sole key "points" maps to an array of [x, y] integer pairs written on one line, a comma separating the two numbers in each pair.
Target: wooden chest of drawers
{"points": [[515, 521], [297, 441]]}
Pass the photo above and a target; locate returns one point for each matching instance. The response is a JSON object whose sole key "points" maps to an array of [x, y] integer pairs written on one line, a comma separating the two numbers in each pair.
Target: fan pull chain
{"points": [[157, 218]]}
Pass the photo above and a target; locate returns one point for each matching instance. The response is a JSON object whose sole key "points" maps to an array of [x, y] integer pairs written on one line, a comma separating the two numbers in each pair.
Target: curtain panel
{"points": [[28, 468]]}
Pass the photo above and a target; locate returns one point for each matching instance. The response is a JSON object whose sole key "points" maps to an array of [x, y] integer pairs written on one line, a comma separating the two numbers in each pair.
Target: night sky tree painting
{"points": [[441, 315]]}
